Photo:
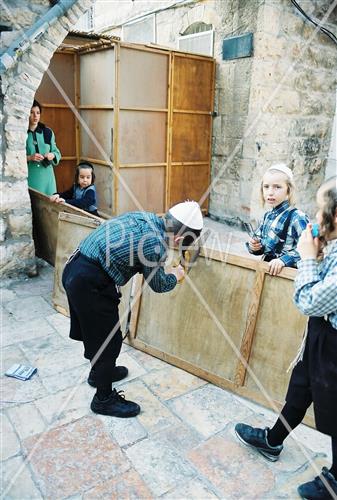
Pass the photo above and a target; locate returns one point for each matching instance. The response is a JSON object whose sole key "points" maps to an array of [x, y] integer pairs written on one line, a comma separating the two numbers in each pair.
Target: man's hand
{"points": [[35, 157], [308, 247], [178, 272], [255, 244], [275, 266]]}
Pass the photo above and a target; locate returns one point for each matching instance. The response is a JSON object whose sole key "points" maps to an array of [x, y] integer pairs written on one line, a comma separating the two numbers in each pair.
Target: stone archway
{"points": [[18, 88]]}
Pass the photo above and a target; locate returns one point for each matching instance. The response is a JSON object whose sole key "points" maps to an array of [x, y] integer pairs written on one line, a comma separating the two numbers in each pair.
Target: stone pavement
{"points": [[181, 446]]}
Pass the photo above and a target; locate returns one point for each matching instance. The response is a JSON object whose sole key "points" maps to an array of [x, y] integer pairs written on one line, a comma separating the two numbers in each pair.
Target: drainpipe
{"points": [[10, 55]]}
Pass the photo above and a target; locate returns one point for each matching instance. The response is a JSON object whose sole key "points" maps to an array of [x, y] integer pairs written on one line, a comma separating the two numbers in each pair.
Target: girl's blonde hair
{"points": [[290, 186], [329, 196]]}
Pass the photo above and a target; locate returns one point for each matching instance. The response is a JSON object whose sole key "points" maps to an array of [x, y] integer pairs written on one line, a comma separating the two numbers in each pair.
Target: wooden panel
{"points": [[72, 229], [62, 121], [65, 174], [188, 181], [45, 217], [143, 78], [181, 325], [277, 337], [193, 84], [104, 187], [141, 189], [97, 77], [96, 134], [62, 68], [190, 138], [142, 137]]}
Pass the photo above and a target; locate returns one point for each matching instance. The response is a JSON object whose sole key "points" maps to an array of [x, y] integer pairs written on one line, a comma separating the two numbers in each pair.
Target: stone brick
{"points": [[20, 224], [3, 228], [16, 256], [268, 46], [11, 445], [14, 195], [16, 164], [16, 139], [269, 19], [23, 486]]}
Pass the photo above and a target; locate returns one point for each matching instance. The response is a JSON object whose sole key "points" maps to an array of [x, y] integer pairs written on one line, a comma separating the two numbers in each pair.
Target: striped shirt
{"points": [[270, 233], [316, 285], [132, 243]]}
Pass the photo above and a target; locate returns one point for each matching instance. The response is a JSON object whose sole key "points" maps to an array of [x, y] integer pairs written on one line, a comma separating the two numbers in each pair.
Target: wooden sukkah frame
{"points": [[173, 160]]}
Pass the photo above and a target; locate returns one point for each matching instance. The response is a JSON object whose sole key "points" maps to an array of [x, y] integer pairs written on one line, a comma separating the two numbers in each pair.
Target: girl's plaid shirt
{"points": [[316, 285], [271, 228]]}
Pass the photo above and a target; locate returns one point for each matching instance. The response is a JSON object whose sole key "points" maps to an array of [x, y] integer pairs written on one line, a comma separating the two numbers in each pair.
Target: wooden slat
{"points": [[247, 340]]}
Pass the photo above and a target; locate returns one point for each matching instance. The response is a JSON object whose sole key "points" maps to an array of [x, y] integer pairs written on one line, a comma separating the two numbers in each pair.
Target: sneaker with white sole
{"points": [[257, 439]]}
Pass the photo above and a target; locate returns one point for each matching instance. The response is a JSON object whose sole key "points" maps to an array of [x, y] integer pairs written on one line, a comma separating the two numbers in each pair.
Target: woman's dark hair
{"points": [[328, 192], [84, 164], [36, 104]]}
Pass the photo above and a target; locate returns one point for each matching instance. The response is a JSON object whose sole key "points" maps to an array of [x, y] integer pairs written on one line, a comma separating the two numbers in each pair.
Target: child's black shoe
{"points": [[316, 489], [257, 438], [115, 405], [118, 373]]}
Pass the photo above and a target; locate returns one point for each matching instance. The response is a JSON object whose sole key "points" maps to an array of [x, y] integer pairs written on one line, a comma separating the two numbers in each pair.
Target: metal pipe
{"points": [[10, 55]]}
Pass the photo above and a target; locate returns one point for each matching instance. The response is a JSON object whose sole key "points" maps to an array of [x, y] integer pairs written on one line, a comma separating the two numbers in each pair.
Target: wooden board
{"points": [[141, 188], [97, 78], [45, 223], [143, 79], [229, 323], [188, 181]]}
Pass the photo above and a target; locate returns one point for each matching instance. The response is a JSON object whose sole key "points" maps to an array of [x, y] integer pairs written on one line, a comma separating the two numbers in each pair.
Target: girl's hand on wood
{"points": [[275, 266]]}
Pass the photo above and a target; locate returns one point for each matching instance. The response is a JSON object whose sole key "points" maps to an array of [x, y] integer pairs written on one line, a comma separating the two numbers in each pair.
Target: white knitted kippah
{"points": [[188, 213], [282, 167]]}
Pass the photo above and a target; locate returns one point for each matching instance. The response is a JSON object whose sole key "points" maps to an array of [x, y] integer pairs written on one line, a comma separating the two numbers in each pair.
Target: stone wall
{"points": [[18, 88], [275, 106]]}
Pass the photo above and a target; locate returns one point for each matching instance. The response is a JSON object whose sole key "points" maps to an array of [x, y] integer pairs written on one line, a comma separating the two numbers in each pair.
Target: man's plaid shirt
{"points": [[271, 228], [132, 243], [316, 285]]}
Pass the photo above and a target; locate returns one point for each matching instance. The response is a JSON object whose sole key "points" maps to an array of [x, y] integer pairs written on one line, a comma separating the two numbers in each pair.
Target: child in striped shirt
{"points": [[277, 236], [314, 378]]}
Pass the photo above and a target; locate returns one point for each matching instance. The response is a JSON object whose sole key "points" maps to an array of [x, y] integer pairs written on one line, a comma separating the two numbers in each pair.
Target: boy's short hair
{"points": [[329, 194]]}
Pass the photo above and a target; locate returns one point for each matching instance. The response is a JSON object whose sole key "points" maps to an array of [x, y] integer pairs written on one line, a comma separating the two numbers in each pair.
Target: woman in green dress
{"points": [[42, 153]]}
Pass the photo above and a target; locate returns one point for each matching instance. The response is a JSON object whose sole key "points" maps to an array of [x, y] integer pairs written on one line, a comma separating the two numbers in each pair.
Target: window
{"points": [[197, 38], [140, 31]]}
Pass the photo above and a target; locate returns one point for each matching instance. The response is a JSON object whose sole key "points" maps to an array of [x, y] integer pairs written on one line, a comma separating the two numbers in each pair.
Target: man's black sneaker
{"points": [[257, 438], [118, 373], [316, 489], [115, 405]]}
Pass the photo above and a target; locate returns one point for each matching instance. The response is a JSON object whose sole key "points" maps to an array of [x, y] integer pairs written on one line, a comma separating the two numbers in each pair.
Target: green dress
{"points": [[39, 177]]}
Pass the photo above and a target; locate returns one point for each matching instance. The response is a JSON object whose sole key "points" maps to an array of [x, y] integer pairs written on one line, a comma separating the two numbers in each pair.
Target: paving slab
{"points": [[171, 382], [154, 415], [11, 444], [130, 486], [208, 409], [28, 308], [17, 481], [233, 472], [124, 431], [71, 459], [161, 466], [193, 489], [66, 406], [27, 420]]}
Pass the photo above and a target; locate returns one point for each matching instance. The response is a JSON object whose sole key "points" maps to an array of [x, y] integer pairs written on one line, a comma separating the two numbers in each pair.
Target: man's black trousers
{"points": [[93, 302]]}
